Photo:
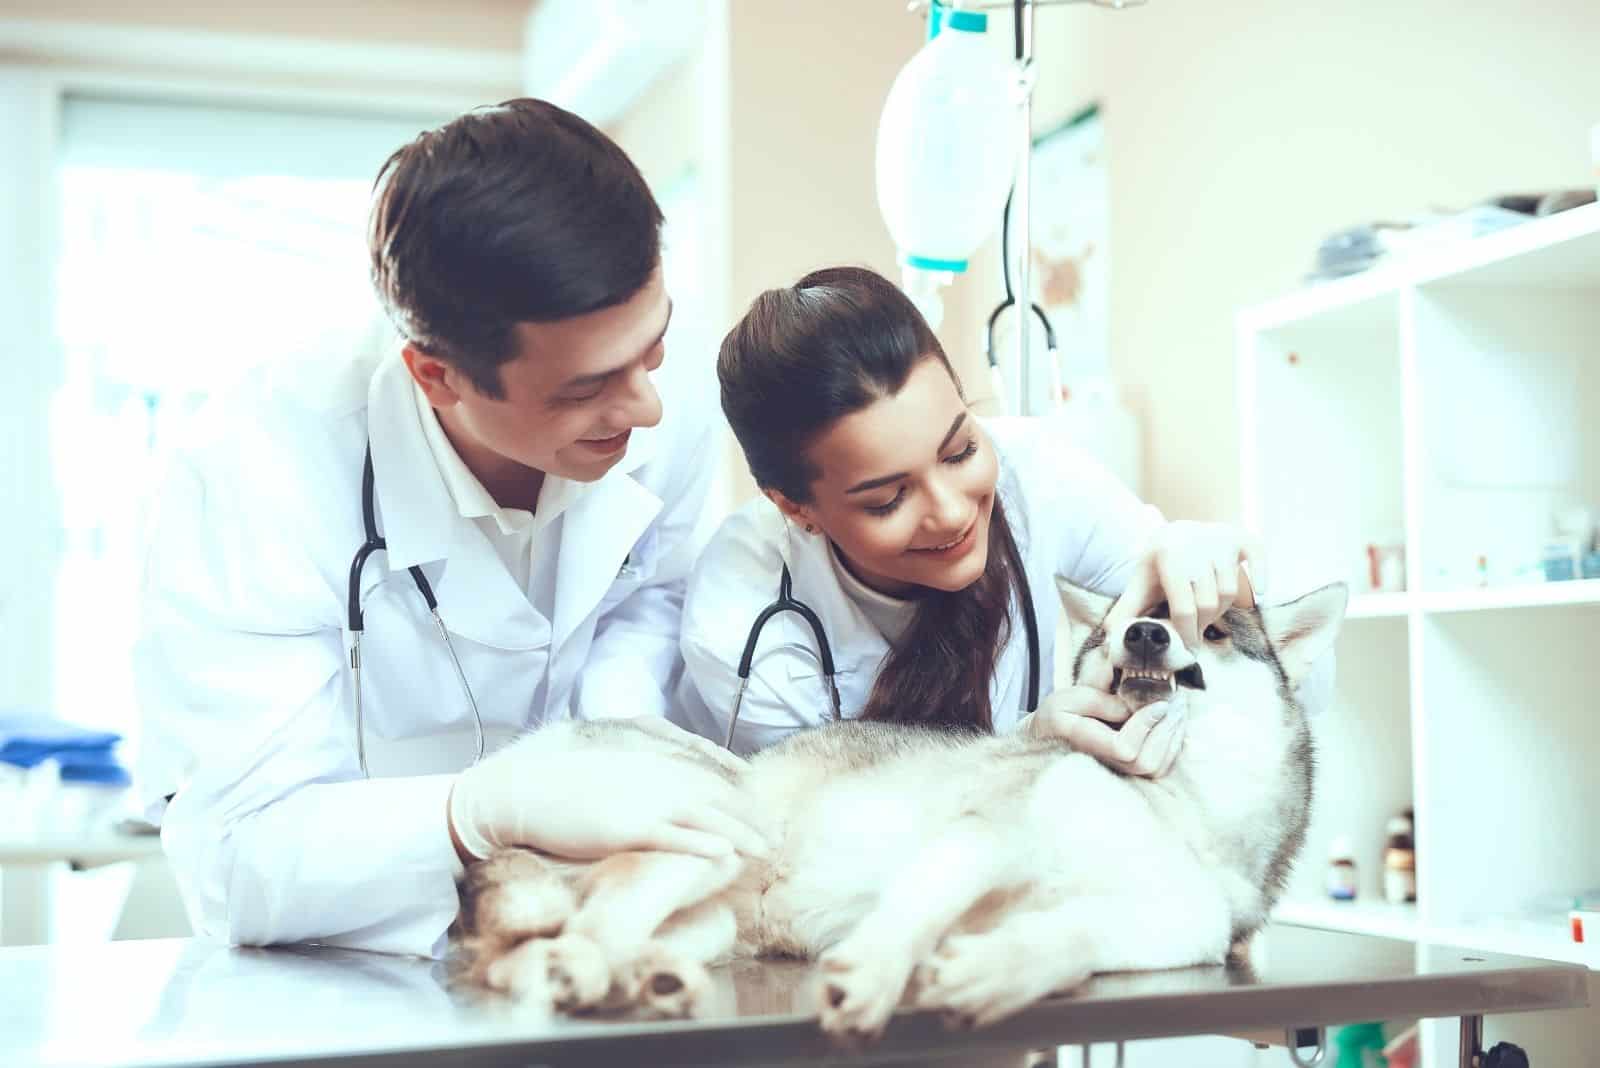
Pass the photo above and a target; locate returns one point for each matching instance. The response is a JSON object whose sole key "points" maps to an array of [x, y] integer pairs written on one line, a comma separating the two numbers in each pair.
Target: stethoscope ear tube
{"points": [[374, 543], [787, 602], [355, 618], [357, 622]]}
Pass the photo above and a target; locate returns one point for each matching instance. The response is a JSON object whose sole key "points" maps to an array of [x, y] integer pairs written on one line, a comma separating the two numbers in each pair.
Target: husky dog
{"points": [[980, 872]]}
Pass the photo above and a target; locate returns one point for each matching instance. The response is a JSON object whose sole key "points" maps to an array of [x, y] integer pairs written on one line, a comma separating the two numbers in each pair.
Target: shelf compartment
{"points": [[1366, 726], [1508, 761], [1508, 381], [1492, 598], [1378, 918], [1516, 937], [1559, 251], [1321, 442], [1358, 302], [1378, 605]]}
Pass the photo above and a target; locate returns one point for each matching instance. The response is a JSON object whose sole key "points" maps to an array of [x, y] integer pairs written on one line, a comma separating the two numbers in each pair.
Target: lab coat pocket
{"points": [[637, 569], [806, 689], [805, 666]]}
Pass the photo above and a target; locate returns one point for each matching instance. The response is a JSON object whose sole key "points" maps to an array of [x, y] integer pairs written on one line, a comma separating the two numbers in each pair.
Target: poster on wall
{"points": [[1071, 232], [1070, 261]]}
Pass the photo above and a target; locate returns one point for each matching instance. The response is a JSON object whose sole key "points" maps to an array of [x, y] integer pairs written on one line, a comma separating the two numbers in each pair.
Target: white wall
{"points": [[487, 24], [805, 87], [1241, 132], [782, 105], [402, 55]]}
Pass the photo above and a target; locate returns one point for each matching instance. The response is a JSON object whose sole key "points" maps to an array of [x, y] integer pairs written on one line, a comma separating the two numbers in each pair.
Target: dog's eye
{"points": [[1215, 634]]}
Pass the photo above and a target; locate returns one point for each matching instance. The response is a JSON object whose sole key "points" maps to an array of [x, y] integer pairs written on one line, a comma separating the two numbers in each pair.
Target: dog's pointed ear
{"points": [[1303, 630], [1085, 609]]}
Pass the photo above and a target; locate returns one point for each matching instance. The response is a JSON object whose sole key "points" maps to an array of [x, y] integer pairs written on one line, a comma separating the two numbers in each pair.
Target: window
{"points": [[196, 242]]}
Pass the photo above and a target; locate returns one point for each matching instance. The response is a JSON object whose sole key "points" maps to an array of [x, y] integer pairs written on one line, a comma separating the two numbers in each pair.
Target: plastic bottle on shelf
{"points": [[1341, 870], [1400, 861]]}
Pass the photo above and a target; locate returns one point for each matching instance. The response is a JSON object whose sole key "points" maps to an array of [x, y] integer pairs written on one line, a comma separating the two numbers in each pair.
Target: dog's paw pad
{"points": [[578, 973], [859, 993], [668, 986], [975, 980]]}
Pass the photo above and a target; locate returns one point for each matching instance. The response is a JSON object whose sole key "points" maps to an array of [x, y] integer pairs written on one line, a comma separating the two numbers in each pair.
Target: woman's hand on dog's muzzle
{"points": [[1145, 743]]}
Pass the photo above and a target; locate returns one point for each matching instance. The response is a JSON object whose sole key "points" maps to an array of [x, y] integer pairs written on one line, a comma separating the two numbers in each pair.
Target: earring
{"points": [[810, 529]]}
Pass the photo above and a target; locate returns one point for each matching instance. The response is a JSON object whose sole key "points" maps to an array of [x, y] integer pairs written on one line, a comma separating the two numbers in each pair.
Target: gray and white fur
{"points": [[975, 873]]}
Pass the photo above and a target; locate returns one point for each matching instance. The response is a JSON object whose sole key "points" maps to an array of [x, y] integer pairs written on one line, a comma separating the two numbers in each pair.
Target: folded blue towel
{"points": [[109, 773], [28, 739]]}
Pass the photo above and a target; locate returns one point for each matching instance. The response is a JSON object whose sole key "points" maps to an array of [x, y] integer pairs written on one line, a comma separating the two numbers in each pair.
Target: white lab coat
{"points": [[242, 668], [1069, 517]]}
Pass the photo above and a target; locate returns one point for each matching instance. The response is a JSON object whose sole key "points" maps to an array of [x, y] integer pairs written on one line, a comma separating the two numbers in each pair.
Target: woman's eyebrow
{"points": [[884, 480]]}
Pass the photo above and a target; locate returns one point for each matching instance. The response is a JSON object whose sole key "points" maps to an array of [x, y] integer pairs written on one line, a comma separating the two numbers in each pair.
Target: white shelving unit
{"points": [[1449, 404], [1358, 917]]}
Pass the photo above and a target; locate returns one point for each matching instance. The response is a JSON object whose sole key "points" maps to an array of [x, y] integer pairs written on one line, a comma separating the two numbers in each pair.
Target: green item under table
{"points": [[1356, 1041]]}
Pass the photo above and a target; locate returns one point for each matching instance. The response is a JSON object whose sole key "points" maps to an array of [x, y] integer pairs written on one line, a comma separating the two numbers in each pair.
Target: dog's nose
{"points": [[1146, 639]]}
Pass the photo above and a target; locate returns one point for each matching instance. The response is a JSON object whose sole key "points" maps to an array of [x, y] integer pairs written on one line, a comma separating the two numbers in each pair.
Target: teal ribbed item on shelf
{"points": [[1356, 1041]]}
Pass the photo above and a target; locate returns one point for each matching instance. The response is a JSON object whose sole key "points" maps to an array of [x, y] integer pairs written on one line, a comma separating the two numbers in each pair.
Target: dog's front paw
{"points": [[514, 895], [978, 979], [579, 976], [860, 986], [521, 973]]}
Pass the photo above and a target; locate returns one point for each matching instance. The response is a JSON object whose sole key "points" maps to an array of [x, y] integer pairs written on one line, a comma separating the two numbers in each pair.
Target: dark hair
{"points": [[509, 214], [801, 359]]}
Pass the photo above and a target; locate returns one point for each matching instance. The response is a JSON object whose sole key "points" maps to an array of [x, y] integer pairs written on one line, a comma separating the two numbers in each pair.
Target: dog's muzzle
{"points": [[1145, 676]]}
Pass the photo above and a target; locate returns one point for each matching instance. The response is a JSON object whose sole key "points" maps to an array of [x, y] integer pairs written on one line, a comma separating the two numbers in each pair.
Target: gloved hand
{"points": [[587, 802], [671, 732], [1200, 569], [1147, 744]]}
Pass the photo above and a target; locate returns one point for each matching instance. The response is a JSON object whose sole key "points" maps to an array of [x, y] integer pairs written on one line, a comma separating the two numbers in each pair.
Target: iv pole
{"points": [[1026, 401], [1025, 394]]}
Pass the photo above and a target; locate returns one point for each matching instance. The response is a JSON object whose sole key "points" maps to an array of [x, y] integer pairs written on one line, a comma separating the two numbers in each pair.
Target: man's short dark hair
{"points": [[517, 213]]}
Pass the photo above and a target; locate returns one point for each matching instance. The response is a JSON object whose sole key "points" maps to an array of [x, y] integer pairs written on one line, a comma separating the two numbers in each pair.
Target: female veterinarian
{"points": [[918, 540]]}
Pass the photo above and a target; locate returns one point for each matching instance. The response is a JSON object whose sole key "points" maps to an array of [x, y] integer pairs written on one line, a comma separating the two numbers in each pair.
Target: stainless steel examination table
{"points": [[191, 1003]]}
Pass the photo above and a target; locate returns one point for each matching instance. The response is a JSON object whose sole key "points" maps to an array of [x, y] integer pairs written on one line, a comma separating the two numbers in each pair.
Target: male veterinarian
{"points": [[525, 462]]}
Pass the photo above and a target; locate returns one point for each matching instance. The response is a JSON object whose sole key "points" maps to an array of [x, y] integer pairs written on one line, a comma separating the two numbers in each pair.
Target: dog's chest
{"points": [[1234, 771]]}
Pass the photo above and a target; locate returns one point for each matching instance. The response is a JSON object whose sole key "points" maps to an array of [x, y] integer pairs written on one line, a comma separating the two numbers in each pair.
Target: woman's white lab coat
{"points": [[1069, 517], [242, 664]]}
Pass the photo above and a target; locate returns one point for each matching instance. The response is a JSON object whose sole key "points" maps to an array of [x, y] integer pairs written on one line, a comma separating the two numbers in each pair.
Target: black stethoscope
{"points": [[787, 602], [1010, 301], [357, 622]]}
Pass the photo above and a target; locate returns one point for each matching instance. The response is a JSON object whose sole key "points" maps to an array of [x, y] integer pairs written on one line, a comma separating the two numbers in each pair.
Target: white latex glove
{"points": [[1200, 570], [1147, 744], [589, 802], [704, 746]]}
